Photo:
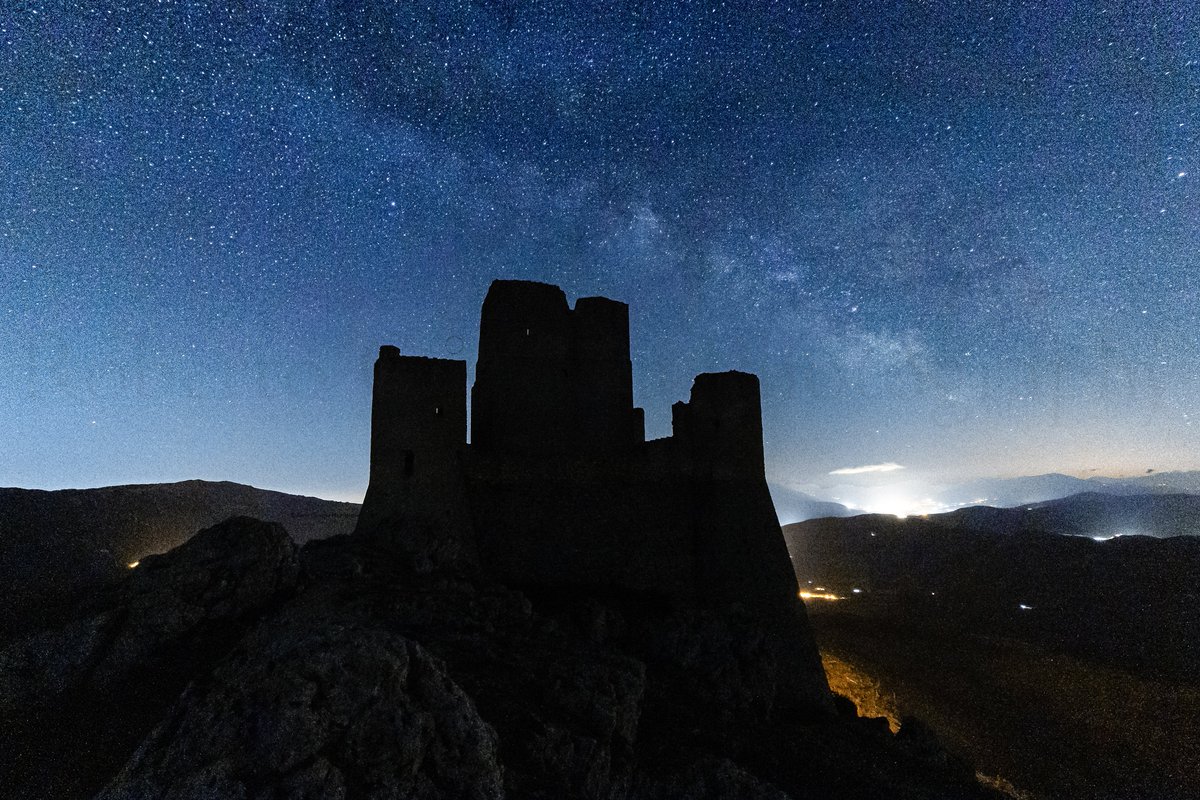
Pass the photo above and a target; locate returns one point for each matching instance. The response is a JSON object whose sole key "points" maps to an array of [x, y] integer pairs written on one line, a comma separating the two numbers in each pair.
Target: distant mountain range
{"points": [[796, 506], [1092, 514], [53, 543], [1157, 482], [1007, 492], [1030, 651], [1068, 572], [1095, 514]]}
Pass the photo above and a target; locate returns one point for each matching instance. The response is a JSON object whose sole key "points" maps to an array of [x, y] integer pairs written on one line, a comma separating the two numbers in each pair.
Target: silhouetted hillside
{"points": [[1092, 514], [1105, 515], [1062, 662], [54, 544], [1034, 489], [1130, 600], [1186, 482], [1008, 492], [869, 492]]}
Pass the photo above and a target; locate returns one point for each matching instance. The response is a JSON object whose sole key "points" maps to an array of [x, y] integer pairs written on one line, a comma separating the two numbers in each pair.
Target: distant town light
{"points": [[1106, 536], [819, 596], [133, 564], [857, 591], [1024, 607]]}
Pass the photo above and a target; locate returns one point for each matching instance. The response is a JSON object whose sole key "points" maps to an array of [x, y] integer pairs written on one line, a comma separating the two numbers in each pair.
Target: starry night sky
{"points": [[961, 237]]}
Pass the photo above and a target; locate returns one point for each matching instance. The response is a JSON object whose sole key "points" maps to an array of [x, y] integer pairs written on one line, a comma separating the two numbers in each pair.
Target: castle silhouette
{"points": [[558, 487]]}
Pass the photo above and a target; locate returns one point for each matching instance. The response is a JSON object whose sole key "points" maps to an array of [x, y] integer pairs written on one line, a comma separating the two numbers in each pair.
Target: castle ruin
{"points": [[558, 488]]}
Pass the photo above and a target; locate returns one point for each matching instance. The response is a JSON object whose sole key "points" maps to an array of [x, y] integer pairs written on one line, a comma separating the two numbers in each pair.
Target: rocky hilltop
{"points": [[240, 666]]}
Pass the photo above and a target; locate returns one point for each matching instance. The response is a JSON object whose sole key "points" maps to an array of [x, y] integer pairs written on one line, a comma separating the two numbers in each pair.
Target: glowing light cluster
{"points": [[1105, 537], [807, 595], [895, 501]]}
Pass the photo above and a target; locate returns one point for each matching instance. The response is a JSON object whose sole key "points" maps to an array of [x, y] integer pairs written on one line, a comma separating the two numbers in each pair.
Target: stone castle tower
{"points": [[551, 380], [418, 452], [558, 488]]}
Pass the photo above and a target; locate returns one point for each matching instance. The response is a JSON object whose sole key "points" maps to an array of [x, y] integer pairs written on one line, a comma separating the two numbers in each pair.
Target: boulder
{"points": [[105, 676], [169, 602], [330, 709]]}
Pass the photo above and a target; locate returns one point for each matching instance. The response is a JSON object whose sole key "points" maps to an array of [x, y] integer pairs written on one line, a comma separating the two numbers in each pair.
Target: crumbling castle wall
{"points": [[739, 551], [558, 488], [417, 493], [522, 400], [602, 378], [552, 380]]}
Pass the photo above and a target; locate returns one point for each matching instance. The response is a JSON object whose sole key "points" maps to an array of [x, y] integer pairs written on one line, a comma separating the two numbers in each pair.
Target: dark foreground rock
{"points": [[231, 668], [77, 699], [319, 710]]}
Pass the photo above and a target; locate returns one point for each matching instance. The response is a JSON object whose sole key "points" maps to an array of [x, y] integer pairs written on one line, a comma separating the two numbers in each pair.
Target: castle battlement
{"points": [[558, 487], [552, 380]]}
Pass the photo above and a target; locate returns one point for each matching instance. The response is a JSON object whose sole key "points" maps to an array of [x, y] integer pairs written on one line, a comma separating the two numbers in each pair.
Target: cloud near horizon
{"points": [[890, 466]]}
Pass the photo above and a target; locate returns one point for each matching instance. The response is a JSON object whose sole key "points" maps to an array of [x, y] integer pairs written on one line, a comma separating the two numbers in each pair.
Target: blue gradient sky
{"points": [[961, 237]]}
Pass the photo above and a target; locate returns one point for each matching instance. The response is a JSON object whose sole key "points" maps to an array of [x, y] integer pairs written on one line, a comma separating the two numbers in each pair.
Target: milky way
{"points": [[958, 237]]}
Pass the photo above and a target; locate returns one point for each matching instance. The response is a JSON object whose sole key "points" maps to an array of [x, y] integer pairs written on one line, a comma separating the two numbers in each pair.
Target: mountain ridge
{"points": [[56, 542], [851, 499], [1005, 627]]}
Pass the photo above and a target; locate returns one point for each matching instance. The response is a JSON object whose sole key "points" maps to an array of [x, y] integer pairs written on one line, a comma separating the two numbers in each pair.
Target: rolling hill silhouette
{"points": [[54, 544]]}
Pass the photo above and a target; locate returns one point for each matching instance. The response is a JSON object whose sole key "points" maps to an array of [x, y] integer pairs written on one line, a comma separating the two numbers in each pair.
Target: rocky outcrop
{"points": [[168, 603], [325, 710], [105, 675], [230, 668]]}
